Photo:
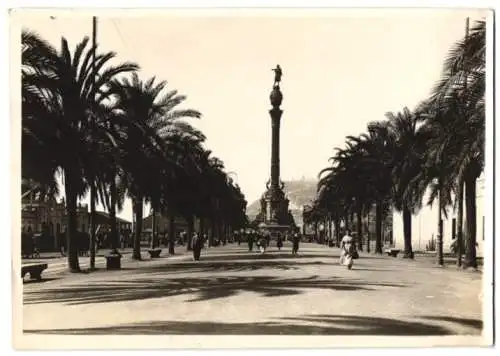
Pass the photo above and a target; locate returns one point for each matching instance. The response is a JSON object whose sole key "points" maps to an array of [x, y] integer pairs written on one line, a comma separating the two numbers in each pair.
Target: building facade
{"points": [[326, 230], [425, 225], [48, 219], [103, 223], [162, 225]]}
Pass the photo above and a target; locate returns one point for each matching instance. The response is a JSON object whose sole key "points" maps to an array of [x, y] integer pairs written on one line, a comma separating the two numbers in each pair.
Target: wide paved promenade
{"points": [[233, 291]]}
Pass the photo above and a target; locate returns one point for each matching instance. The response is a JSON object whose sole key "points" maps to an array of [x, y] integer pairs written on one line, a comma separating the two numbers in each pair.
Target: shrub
{"points": [[431, 245], [454, 247]]}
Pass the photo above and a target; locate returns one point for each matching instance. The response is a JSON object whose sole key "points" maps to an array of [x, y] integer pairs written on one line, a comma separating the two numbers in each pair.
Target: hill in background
{"points": [[299, 192]]}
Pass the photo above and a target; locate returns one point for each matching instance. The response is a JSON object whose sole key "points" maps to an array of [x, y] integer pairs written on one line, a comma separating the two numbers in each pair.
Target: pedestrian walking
{"points": [[262, 244], [279, 242], [62, 244], [196, 244], [295, 244], [204, 241], [250, 242], [347, 246]]}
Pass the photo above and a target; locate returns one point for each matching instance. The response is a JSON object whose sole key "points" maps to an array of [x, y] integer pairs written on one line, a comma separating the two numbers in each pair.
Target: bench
{"points": [[34, 269], [155, 252], [392, 252]]}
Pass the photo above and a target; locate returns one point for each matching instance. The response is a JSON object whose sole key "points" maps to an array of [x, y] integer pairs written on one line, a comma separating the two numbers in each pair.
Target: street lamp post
{"points": [[93, 190]]}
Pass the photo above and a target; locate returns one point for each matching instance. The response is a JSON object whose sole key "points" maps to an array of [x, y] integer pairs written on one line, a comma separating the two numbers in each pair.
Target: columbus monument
{"points": [[274, 215]]}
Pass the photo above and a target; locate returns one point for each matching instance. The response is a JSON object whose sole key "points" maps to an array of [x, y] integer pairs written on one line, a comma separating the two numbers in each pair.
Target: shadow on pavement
{"points": [[34, 281], [270, 255], [199, 289], [206, 266], [146, 282], [472, 323], [354, 268], [39, 259], [317, 325]]}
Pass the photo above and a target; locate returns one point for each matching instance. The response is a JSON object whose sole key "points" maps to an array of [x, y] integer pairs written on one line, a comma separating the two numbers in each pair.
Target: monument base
{"points": [[274, 230]]}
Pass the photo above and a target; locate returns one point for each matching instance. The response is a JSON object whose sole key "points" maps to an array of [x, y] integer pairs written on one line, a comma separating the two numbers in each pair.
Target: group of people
{"points": [[262, 241], [348, 251]]}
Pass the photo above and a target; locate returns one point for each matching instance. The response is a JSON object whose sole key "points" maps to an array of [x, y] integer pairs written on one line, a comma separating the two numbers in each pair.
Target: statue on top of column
{"points": [[277, 76]]}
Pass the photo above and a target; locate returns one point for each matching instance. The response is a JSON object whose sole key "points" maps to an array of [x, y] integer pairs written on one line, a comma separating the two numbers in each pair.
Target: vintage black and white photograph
{"points": [[267, 172]]}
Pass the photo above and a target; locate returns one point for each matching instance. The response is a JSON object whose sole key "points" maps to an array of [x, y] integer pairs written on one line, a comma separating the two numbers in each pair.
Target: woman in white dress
{"points": [[346, 249]]}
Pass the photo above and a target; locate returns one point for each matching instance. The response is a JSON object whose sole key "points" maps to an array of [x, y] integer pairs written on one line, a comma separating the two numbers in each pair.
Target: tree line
{"points": [[106, 131], [438, 147]]}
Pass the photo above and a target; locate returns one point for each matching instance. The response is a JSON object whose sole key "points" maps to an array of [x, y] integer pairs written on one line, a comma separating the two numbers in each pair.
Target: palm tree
{"points": [[460, 96], [408, 160], [58, 98], [217, 182], [182, 194], [375, 158], [435, 172], [152, 135], [345, 189]]}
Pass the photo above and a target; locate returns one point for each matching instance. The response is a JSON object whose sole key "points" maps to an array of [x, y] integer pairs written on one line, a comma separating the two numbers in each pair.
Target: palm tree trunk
{"points": [[223, 231], [154, 237], [112, 217], [71, 235], [190, 229], [212, 232], [368, 230], [408, 250], [330, 227], [93, 194], [378, 227], [360, 227], [440, 231], [326, 234], [171, 233], [219, 230], [226, 232], [460, 222], [337, 231], [138, 207], [202, 226], [470, 211]]}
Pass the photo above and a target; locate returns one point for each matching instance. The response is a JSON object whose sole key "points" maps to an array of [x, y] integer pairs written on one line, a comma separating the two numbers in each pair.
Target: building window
{"points": [[83, 227], [453, 229]]}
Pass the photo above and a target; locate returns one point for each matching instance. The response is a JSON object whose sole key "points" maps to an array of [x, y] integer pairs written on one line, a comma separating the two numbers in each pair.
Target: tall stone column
{"points": [[275, 194], [275, 146], [274, 213]]}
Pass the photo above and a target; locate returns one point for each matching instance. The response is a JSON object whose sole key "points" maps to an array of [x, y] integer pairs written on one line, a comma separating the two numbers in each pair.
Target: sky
{"points": [[341, 70]]}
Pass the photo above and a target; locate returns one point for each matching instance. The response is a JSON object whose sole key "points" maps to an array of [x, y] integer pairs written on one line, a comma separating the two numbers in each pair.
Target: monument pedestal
{"points": [[274, 211]]}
